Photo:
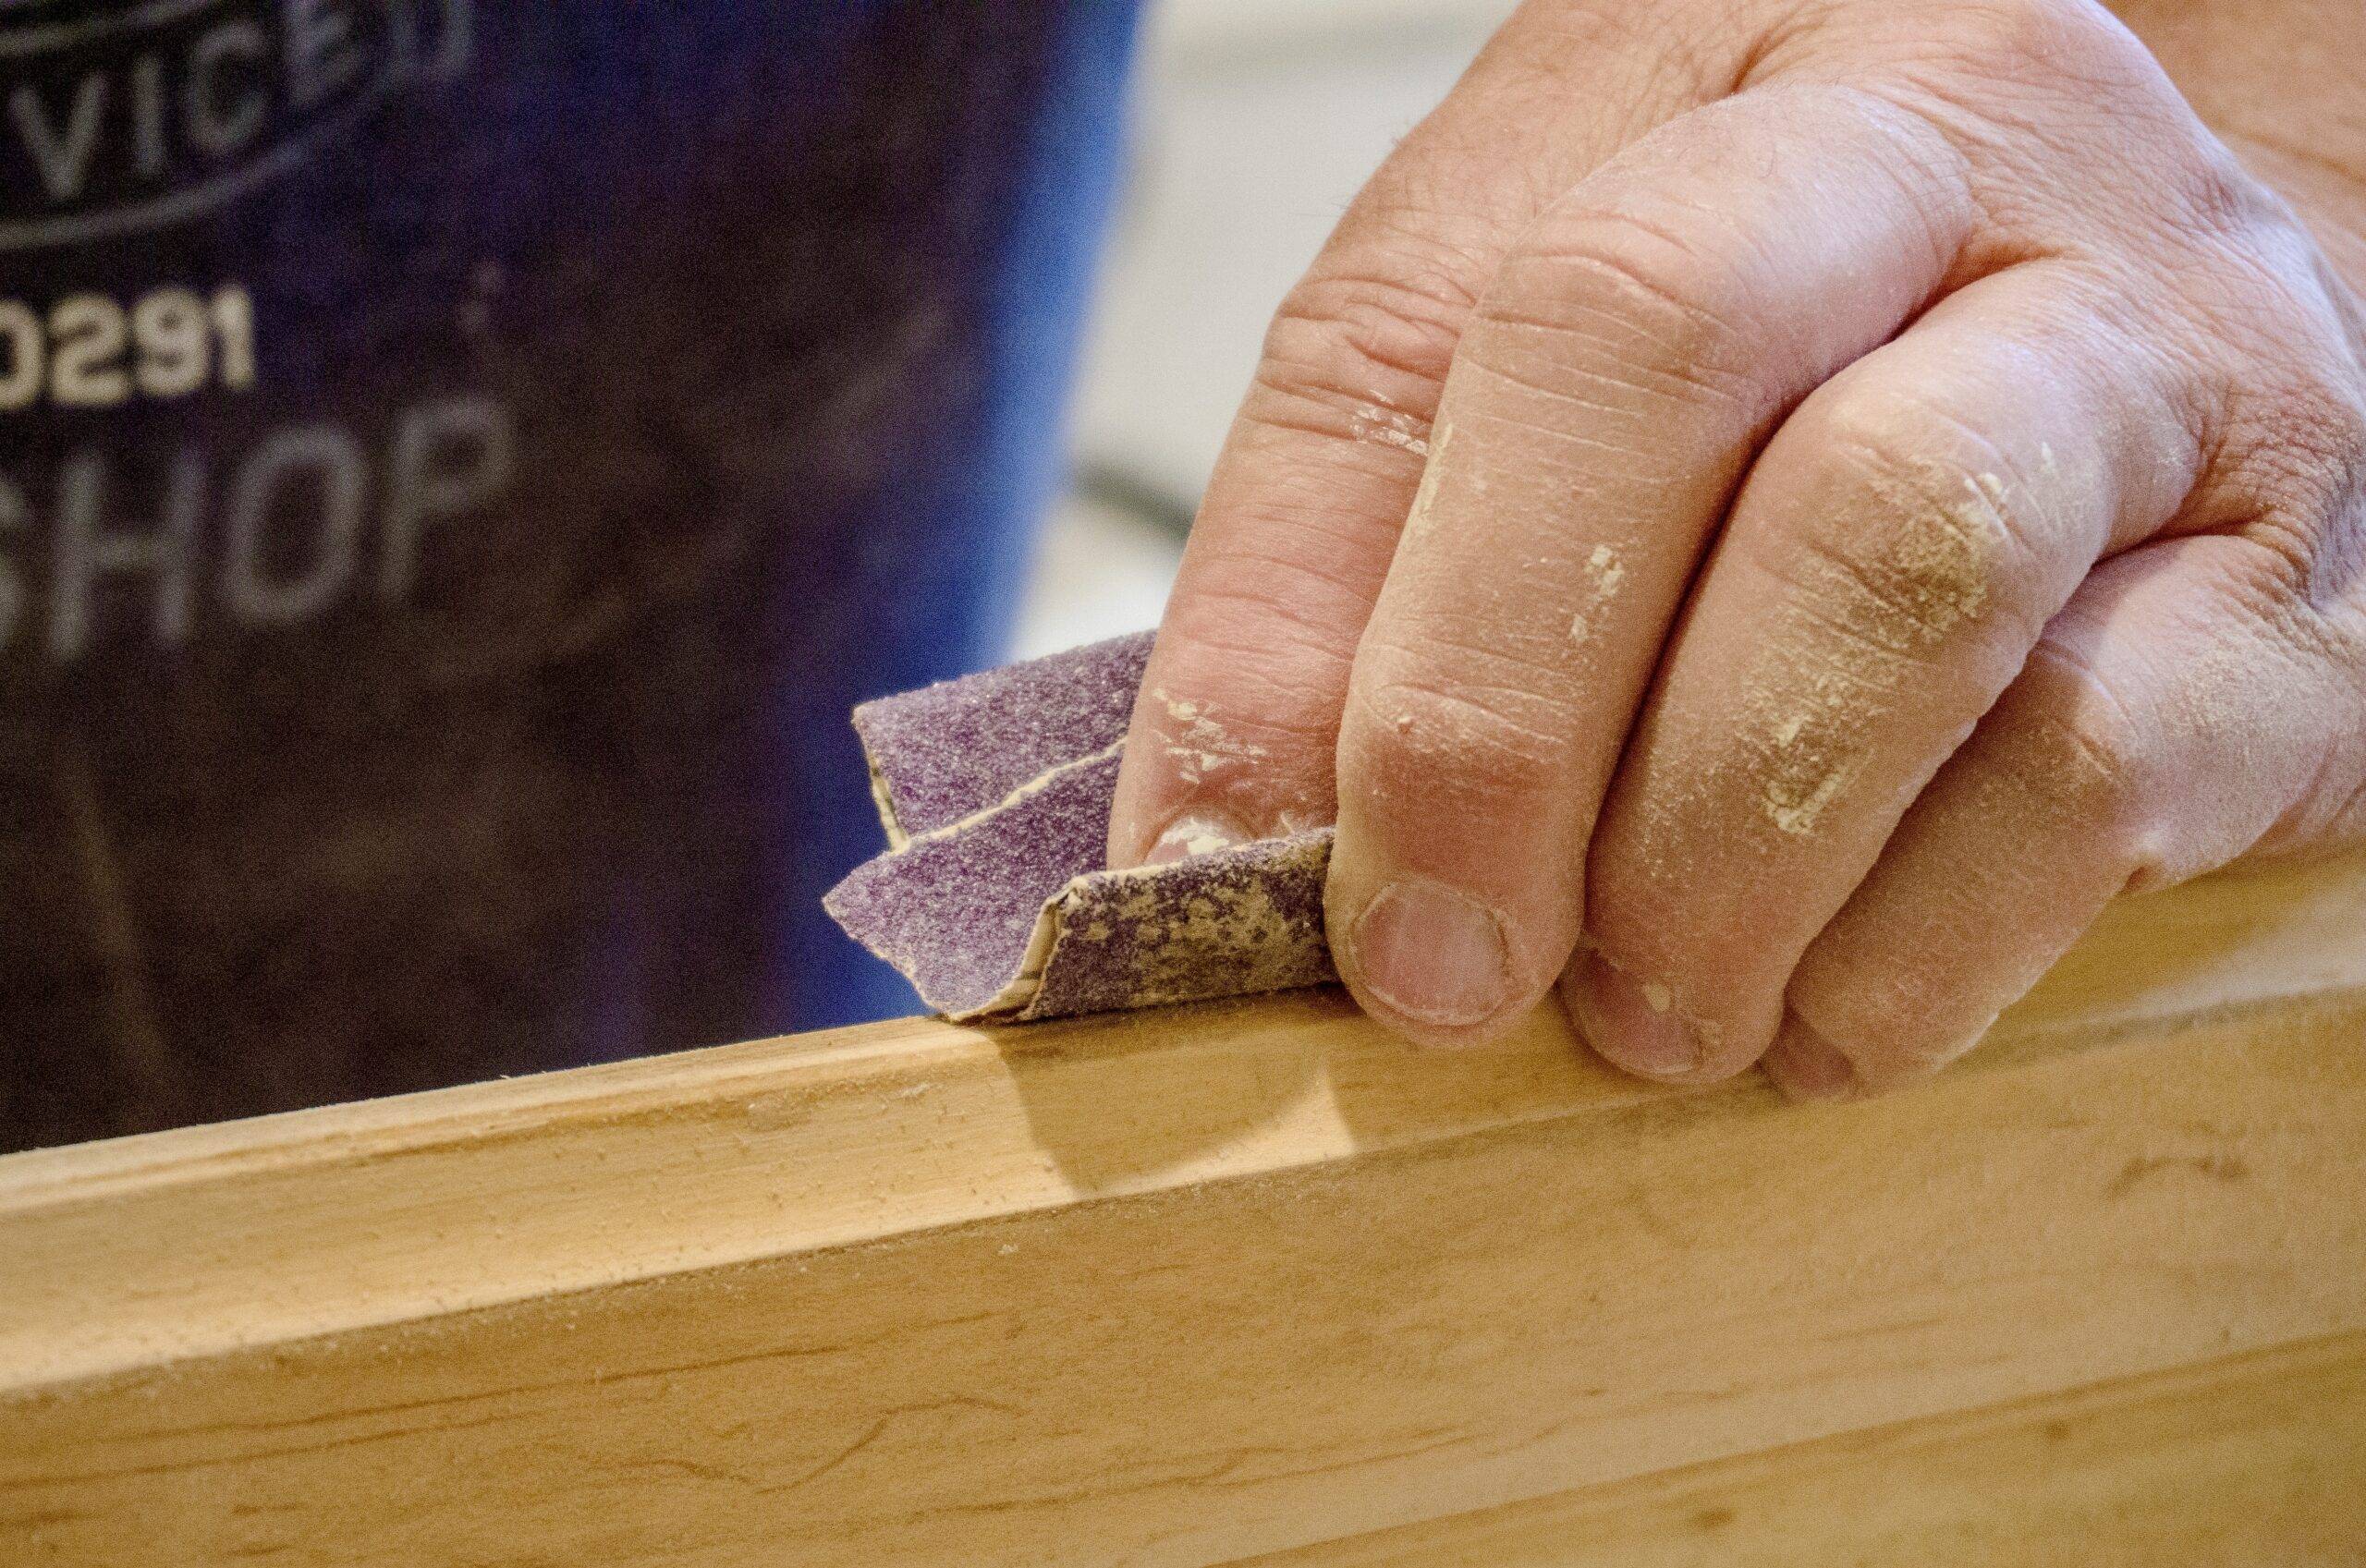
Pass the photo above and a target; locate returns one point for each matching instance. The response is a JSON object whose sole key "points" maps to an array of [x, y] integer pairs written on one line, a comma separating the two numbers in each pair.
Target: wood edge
{"points": [[464, 1115], [144, 1251], [2206, 917], [136, 1325], [1427, 1334]]}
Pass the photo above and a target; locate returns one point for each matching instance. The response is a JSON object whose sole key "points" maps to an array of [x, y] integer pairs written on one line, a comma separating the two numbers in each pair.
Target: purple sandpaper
{"points": [[1001, 906], [957, 910], [950, 750]]}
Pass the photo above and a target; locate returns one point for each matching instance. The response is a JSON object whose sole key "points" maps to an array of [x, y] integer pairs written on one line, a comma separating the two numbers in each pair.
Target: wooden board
{"points": [[2250, 1460], [1191, 1287]]}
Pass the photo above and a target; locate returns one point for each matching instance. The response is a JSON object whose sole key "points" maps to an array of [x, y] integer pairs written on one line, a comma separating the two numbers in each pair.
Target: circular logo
{"points": [[125, 118]]}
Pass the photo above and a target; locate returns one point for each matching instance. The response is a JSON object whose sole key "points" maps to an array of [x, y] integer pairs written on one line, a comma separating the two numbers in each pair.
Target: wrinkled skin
{"points": [[1767, 513]]}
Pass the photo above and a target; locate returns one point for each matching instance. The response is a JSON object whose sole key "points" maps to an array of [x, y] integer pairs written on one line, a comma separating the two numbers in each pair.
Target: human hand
{"points": [[1771, 514]]}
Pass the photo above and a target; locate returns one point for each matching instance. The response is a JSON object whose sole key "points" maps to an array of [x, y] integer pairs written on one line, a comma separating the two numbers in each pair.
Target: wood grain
{"points": [[2249, 1461], [1175, 1289]]}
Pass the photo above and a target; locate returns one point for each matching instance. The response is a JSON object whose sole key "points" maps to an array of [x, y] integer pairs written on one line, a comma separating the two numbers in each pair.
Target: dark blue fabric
{"points": [[979, 494], [446, 672]]}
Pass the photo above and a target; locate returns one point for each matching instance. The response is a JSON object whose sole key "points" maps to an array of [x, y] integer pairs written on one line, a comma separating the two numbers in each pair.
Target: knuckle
{"points": [[2294, 480], [2293, 604], [1243, 710], [1267, 655], [1457, 744], [2215, 194], [1359, 355], [2043, 39], [2061, 76], [1301, 548], [1914, 539], [2332, 639], [1613, 290], [2323, 425], [1263, 641], [2081, 753], [2242, 266], [2237, 256], [1665, 35]]}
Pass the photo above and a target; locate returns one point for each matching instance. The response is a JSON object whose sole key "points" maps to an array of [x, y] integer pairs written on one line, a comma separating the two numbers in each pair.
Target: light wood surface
{"points": [[2252, 1462], [1190, 1287]]}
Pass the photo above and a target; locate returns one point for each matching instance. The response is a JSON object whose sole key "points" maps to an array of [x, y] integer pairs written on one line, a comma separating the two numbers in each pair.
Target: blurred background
{"points": [[305, 802], [1256, 120]]}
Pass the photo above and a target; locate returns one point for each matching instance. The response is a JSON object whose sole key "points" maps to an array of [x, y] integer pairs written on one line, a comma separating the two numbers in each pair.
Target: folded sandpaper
{"points": [[992, 899]]}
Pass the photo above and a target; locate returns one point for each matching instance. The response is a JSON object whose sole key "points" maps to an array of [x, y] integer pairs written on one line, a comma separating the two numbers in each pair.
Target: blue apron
{"points": [[459, 463]]}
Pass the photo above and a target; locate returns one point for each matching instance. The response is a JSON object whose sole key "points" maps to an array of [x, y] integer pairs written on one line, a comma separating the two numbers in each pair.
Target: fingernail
{"points": [[1192, 835], [1633, 1024], [1433, 955], [1805, 1066]]}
